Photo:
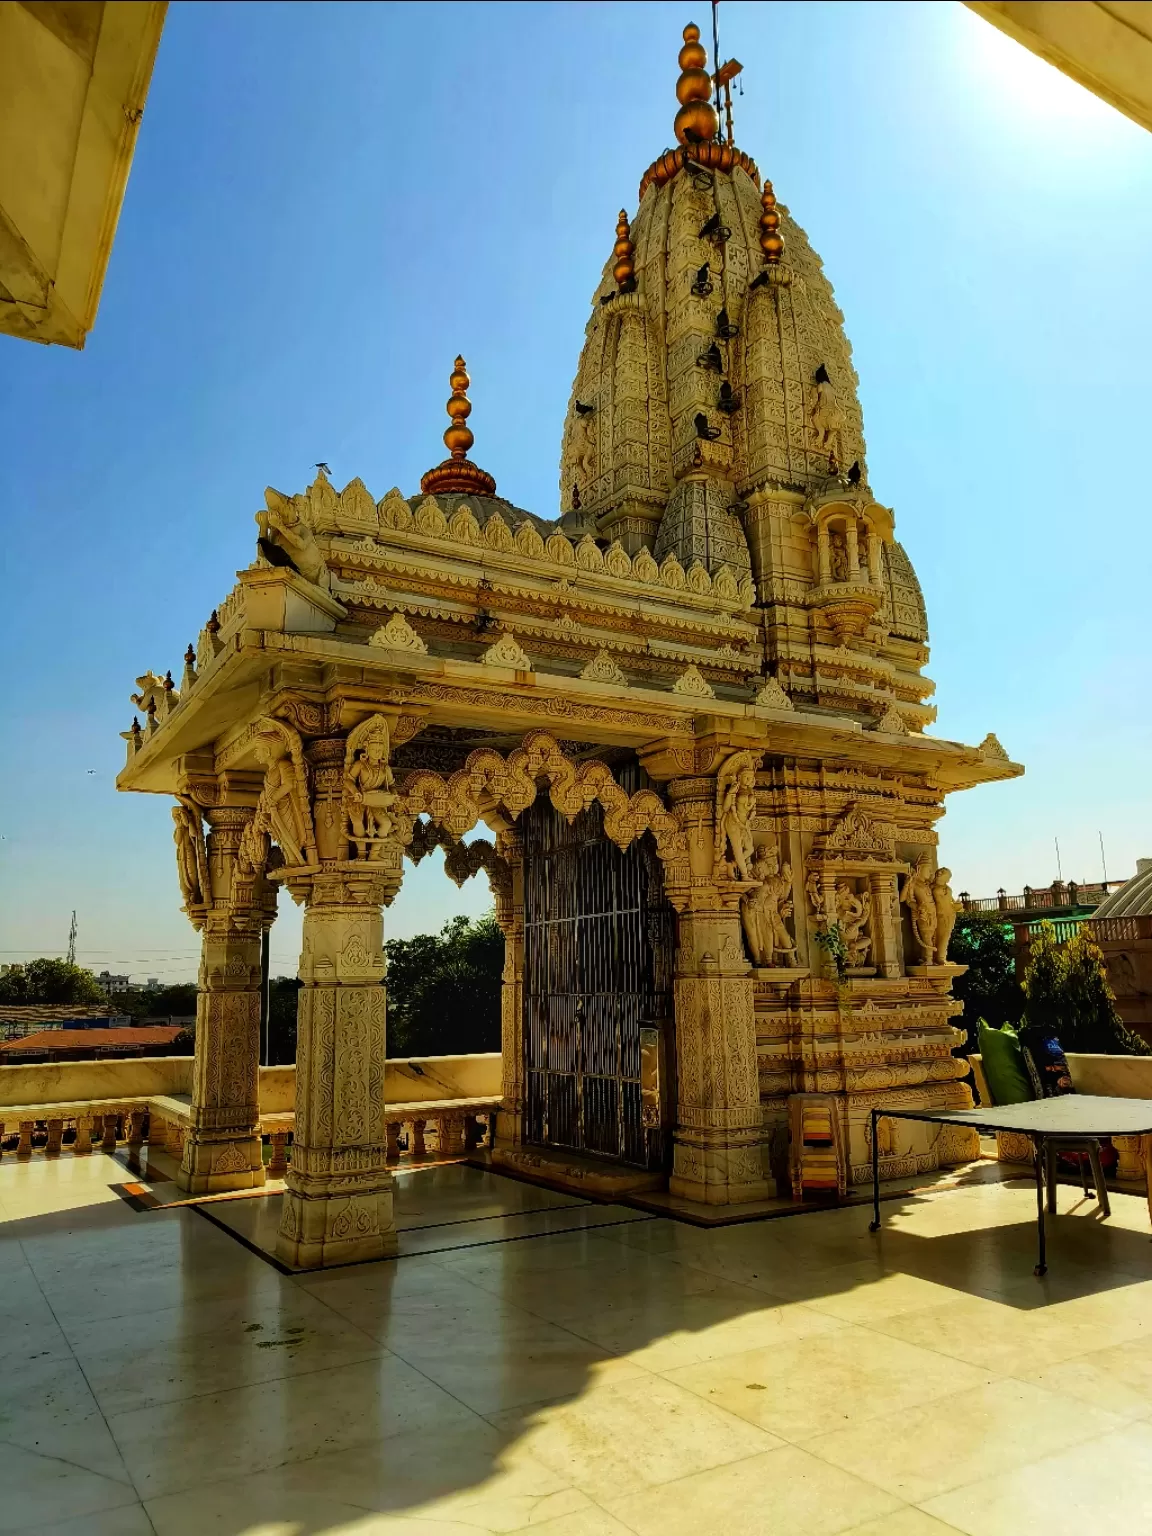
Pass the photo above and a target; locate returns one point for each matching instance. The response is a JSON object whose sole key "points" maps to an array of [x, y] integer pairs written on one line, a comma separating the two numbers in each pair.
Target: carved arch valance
{"points": [[489, 782]]}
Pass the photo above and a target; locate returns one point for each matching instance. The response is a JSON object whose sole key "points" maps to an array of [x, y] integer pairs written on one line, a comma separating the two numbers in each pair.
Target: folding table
{"points": [[1070, 1114]]}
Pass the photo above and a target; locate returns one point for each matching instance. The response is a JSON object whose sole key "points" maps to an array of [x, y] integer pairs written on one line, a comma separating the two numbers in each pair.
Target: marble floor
{"points": [[576, 1369]]}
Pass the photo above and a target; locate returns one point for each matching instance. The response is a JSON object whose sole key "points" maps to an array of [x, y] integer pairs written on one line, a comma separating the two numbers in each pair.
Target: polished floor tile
{"points": [[785, 1492], [925, 1450], [631, 1435], [570, 1368], [1103, 1485], [811, 1386]]}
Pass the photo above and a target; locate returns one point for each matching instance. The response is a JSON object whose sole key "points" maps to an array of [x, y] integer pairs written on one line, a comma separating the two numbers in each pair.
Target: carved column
{"points": [[338, 1196], [718, 1146], [886, 946], [510, 915], [222, 1147], [824, 554]]}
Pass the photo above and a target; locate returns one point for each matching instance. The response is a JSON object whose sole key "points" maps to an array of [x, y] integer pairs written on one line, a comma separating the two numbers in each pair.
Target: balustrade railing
{"points": [[46, 1113]]}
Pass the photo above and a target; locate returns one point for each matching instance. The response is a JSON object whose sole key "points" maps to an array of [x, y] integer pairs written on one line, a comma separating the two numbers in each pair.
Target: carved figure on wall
{"points": [[945, 913], [764, 910], [735, 808], [155, 696], [918, 896], [285, 531], [368, 788], [283, 811], [191, 854], [586, 447], [827, 415], [853, 912]]}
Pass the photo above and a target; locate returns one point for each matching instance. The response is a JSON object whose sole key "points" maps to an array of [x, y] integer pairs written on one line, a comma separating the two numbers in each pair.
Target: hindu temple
{"points": [[680, 723]]}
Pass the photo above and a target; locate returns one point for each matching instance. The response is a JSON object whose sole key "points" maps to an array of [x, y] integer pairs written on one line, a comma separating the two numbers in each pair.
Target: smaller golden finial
{"points": [[771, 240], [458, 439], [624, 268], [696, 121], [458, 473]]}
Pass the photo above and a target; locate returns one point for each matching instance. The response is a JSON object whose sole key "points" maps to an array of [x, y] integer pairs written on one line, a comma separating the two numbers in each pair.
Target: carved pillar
{"points": [[874, 547], [852, 545], [222, 1146], [886, 946], [510, 916], [338, 1192], [718, 1146], [824, 553]]}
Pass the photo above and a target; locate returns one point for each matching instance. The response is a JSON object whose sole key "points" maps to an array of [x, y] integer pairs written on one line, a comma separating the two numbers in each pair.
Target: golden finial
{"points": [[624, 269], [696, 121], [458, 473], [771, 241]]}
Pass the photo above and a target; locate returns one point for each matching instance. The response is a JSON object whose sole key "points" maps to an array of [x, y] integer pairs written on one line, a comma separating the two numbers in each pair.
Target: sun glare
{"points": [[1009, 75]]}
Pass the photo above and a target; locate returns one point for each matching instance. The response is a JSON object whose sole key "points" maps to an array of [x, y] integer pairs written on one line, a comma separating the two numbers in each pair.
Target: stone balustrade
{"points": [[79, 1107]]}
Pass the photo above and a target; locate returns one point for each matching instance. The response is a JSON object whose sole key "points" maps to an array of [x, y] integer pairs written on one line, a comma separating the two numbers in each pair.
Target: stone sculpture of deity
{"points": [[764, 910], [853, 911], [190, 861], [920, 899], [279, 809], [735, 808], [945, 913], [369, 797]]}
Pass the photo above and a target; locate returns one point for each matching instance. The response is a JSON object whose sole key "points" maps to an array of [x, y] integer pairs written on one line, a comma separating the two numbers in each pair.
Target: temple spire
{"points": [[696, 121], [458, 473], [624, 254], [771, 240]]}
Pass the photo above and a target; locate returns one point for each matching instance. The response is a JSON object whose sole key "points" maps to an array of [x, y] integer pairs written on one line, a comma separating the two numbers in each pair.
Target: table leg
{"points": [[1039, 1158], [874, 1225]]}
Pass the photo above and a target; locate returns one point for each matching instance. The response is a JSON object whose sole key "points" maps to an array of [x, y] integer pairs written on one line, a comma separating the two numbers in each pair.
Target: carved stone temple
{"points": [[690, 714]]}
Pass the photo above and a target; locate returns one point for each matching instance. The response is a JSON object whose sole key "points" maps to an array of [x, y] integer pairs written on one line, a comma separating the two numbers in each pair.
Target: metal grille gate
{"points": [[597, 963]]}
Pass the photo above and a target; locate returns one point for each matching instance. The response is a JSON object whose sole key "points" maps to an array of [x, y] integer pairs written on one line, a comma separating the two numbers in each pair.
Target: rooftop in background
{"points": [[91, 1042], [73, 81], [1061, 896]]}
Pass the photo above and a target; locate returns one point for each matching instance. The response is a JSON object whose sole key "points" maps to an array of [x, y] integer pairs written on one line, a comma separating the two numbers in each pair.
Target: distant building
{"points": [[110, 985], [1122, 926]]}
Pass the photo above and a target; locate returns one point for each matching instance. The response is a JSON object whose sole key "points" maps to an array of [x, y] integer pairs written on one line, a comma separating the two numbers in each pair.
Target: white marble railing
{"points": [[442, 1104]]}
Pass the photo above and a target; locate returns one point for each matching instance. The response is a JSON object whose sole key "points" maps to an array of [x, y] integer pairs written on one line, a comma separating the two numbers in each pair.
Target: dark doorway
{"points": [[598, 945]]}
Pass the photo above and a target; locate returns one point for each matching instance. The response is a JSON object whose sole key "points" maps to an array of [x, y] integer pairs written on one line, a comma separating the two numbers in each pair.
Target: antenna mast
{"points": [[72, 941], [724, 76]]}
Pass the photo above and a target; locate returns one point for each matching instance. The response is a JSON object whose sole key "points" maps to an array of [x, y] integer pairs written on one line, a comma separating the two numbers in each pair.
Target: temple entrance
{"points": [[598, 948]]}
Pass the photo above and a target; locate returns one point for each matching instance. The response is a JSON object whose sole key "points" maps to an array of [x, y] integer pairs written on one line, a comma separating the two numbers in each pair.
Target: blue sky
{"points": [[328, 202]]}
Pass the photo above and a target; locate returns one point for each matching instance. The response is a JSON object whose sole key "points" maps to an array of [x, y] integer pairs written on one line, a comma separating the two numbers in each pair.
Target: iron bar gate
{"points": [[598, 947]]}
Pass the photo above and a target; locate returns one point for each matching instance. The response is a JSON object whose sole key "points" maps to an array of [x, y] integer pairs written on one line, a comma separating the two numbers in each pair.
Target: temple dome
{"points": [[719, 361]]}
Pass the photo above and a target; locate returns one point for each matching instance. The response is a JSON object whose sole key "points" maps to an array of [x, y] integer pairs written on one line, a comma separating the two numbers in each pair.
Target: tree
{"points": [[50, 981], [283, 996], [1067, 995], [990, 989], [444, 990], [163, 1003]]}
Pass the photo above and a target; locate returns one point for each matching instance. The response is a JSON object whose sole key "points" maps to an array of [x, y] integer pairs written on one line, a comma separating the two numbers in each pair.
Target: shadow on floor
{"points": [[540, 1358]]}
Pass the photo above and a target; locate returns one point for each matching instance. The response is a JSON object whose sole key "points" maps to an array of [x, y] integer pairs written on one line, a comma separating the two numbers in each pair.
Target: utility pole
{"points": [[1103, 861], [72, 941]]}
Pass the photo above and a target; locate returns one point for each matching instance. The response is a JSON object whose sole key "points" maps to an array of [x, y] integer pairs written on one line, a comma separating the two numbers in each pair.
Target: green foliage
{"points": [[50, 981], [1067, 994], [283, 993], [177, 1001], [444, 990], [831, 941], [989, 990]]}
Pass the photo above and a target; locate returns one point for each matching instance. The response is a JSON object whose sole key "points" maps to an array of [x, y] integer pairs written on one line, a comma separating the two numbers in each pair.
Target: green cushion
{"points": [[1002, 1057]]}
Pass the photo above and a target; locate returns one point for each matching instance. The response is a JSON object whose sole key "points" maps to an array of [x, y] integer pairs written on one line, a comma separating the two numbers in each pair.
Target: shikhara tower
{"points": [[690, 711]]}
